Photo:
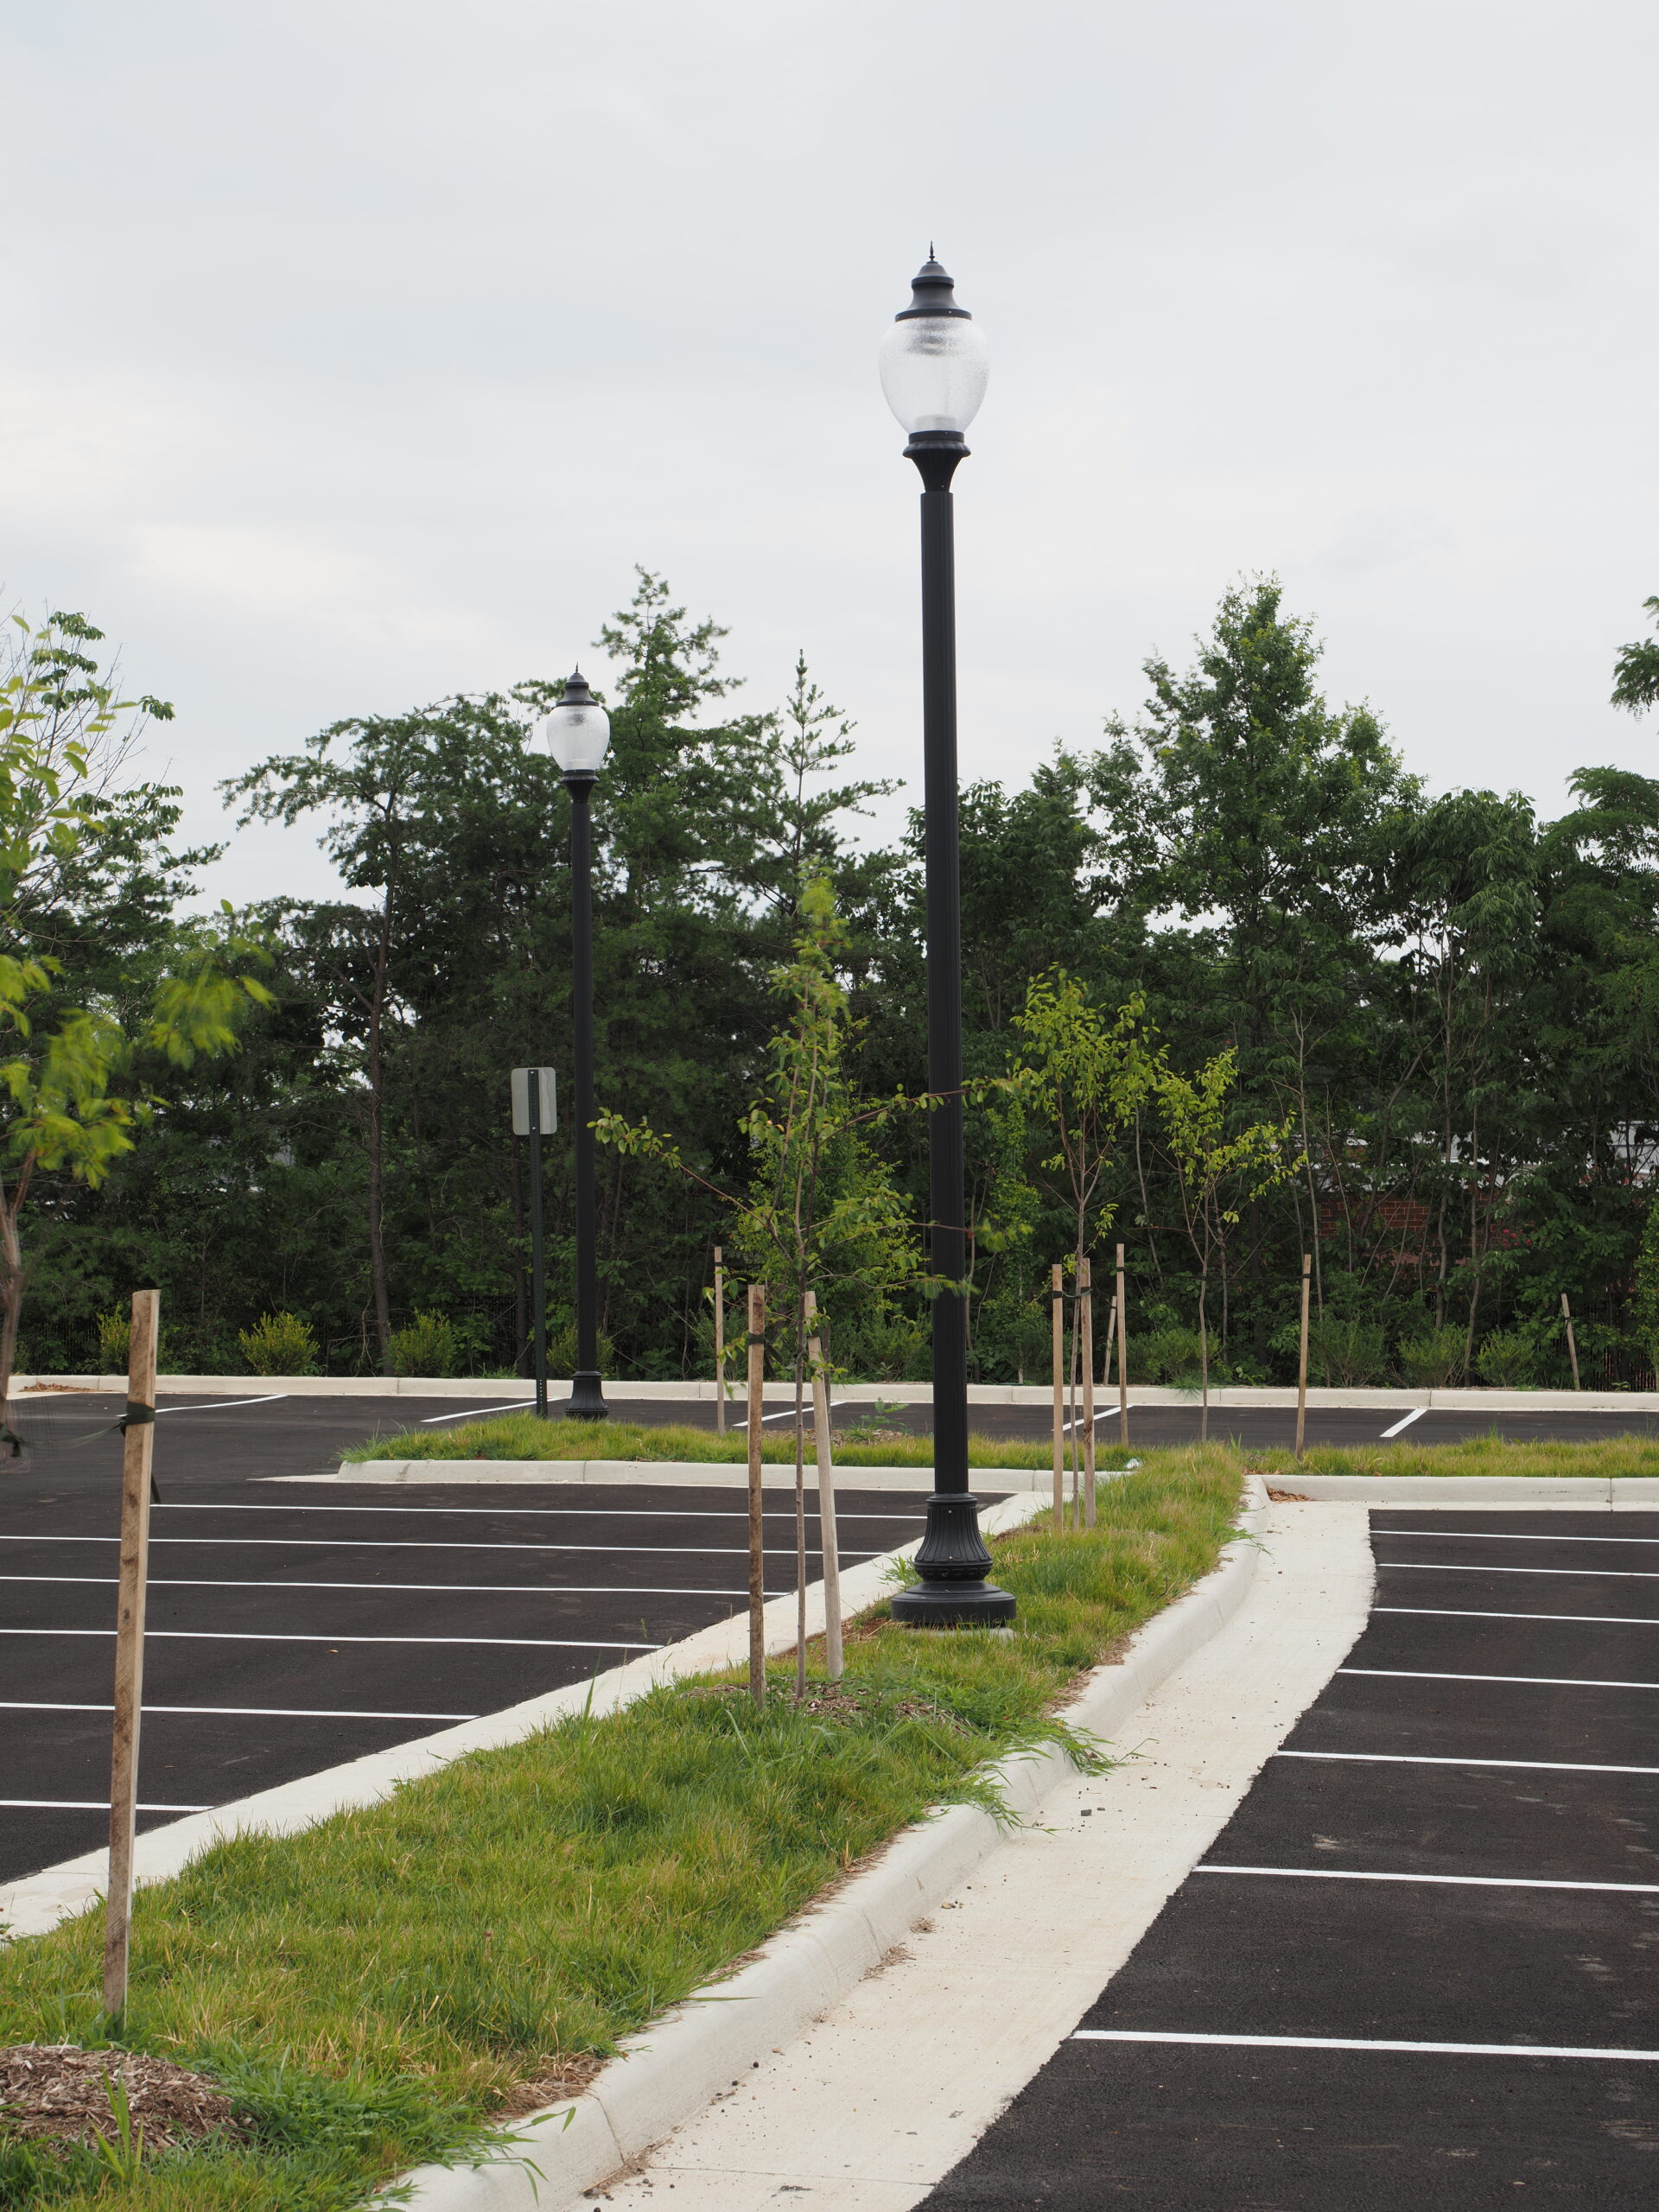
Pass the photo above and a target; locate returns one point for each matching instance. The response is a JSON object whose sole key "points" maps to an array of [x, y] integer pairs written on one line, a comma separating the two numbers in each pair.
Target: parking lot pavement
{"points": [[270, 1434], [286, 1636], [1415, 1967]]}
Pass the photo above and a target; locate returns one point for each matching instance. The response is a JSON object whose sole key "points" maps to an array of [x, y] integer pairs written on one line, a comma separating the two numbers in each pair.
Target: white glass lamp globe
{"points": [[578, 731], [934, 367]]}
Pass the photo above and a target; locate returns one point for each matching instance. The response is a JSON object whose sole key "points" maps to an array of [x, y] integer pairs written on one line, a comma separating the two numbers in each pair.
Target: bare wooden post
{"points": [[1056, 1301], [757, 1525], [1572, 1347], [1086, 1356], [1122, 1359], [720, 1343], [1301, 1361], [138, 1445], [828, 1536]]}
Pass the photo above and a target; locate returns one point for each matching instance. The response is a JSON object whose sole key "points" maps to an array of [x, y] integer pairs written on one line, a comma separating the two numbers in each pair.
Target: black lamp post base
{"points": [[587, 1401], [953, 1604]]}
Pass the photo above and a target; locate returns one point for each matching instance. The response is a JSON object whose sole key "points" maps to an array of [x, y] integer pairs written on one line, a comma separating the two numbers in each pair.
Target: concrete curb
{"points": [[40, 1900], [675, 2068], [1236, 1395], [1473, 1490]]}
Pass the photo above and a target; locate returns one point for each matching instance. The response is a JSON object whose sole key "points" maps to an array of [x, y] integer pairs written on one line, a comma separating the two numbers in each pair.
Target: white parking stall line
{"points": [[473, 1589], [1416, 1414], [560, 1512], [432, 1544], [1425, 1759], [1478, 1613], [1455, 1567], [1510, 1537], [473, 1413], [218, 1405], [89, 1805], [273, 1636], [245, 1711], [1538, 1681], [1451, 1881], [1357, 2043]]}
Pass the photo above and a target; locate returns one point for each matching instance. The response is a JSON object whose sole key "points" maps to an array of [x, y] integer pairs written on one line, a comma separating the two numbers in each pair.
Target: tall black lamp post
{"points": [[933, 371], [578, 733]]}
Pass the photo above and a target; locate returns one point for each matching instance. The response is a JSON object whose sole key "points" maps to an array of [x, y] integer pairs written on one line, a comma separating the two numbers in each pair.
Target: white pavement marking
{"points": [[1543, 1681], [877, 2102], [1357, 2043], [247, 1635], [1425, 1759], [1482, 1613], [478, 1413], [426, 1544], [1416, 1414], [219, 1405], [91, 1805], [1455, 1881], [252, 1712], [550, 1512], [476, 1589], [1510, 1537], [1454, 1567]]}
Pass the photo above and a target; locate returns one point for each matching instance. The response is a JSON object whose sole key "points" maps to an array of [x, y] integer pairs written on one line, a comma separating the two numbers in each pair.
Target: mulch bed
{"points": [[57, 2089]]}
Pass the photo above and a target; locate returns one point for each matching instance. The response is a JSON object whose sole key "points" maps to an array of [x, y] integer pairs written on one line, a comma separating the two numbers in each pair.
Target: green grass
{"points": [[1480, 1455], [522, 1436], [374, 1989]]}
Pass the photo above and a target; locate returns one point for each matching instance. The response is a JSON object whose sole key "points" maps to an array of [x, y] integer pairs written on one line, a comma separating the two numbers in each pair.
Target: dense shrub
{"points": [[279, 1343], [1432, 1360]]}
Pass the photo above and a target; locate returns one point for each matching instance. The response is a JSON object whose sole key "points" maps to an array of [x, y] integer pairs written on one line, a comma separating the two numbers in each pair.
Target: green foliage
{"points": [[1166, 1355], [427, 1345], [1635, 673], [1346, 1352], [1433, 1359], [1451, 1005], [280, 1344], [1507, 1359]]}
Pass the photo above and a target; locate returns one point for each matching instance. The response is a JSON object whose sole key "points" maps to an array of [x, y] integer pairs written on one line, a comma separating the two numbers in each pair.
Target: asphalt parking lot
{"points": [[291, 1629], [1416, 1966], [273, 1434]]}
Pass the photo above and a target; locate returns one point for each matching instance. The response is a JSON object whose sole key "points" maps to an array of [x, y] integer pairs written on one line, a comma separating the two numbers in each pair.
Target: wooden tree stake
{"points": [[1301, 1361], [138, 1445], [1086, 1358], [720, 1343], [828, 1536], [1122, 1359], [1572, 1347], [757, 1525], [1057, 1302]]}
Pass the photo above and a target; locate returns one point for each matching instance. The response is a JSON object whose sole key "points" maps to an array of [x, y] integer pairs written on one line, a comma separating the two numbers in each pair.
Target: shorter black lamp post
{"points": [[578, 734]]}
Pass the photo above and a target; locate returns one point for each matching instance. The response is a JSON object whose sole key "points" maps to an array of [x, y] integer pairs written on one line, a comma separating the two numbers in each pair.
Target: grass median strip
{"points": [[373, 1992], [522, 1436]]}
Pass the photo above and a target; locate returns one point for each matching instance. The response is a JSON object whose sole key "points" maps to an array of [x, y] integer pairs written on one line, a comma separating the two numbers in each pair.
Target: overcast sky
{"points": [[355, 352]]}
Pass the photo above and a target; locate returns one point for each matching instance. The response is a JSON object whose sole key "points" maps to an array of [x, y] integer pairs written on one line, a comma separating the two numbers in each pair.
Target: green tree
{"points": [[1636, 672], [73, 1095], [1217, 1173]]}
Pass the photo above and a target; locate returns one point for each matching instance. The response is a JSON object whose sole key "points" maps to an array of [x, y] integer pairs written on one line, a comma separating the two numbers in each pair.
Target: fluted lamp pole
{"points": [[933, 371], [578, 734]]}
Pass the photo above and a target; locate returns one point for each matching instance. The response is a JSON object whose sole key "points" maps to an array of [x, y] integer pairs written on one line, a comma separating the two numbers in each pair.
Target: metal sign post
{"points": [[536, 1114]]}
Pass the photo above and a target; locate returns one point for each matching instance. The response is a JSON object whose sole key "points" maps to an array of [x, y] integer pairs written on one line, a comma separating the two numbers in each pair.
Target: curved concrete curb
{"points": [[679, 2065], [1473, 1490]]}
